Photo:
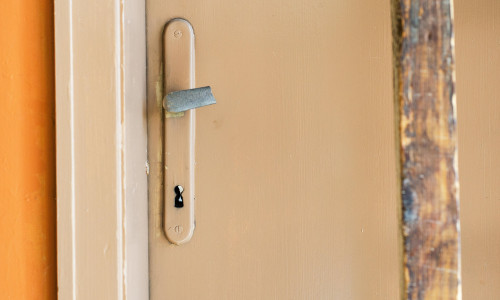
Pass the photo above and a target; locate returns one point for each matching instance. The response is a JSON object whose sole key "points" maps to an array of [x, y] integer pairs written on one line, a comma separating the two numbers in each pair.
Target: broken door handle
{"points": [[179, 129], [181, 101]]}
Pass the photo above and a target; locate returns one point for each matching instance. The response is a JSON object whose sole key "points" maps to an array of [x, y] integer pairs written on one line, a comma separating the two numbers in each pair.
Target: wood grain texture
{"points": [[425, 94]]}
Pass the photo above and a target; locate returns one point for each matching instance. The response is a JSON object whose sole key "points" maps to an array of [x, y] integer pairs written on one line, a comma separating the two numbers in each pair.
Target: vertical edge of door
{"points": [[101, 132], [64, 165], [136, 134], [424, 82]]}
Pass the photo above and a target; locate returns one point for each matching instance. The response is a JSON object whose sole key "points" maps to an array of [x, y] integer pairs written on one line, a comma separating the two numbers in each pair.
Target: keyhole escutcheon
{"points": [[179, 201]]}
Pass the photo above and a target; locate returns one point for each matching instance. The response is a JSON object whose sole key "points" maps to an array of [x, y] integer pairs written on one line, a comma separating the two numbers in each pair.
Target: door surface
{"points": [[295, 164]]}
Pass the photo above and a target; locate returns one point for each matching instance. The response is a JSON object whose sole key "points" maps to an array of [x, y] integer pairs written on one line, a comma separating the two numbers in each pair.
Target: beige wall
{"points": [[478, 89]]}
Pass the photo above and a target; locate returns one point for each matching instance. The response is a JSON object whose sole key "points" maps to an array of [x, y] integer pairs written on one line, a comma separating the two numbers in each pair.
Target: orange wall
{"points": [[27, 151]]}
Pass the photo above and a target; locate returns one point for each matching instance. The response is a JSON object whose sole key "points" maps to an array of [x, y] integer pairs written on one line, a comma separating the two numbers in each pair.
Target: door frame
{"points": [[101, 140]]}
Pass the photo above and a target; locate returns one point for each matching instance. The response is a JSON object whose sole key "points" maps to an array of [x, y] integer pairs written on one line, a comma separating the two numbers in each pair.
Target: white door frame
{"points": [[102, 228]]}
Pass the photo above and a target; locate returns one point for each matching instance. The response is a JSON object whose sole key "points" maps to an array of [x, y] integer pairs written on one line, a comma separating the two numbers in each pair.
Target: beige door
{"points": [[295, 164]]}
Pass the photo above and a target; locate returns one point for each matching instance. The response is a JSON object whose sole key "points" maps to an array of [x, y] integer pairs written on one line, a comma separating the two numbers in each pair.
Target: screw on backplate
{"points": [[179, 201], [177, 34]]}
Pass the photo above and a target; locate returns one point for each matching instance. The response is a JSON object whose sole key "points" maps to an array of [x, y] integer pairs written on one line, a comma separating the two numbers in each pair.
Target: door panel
{"points": [[477, 26], [295, 164]]}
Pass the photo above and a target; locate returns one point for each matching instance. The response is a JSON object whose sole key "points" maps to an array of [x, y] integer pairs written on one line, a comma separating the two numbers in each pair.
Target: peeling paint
{"points": [[425, 95]]}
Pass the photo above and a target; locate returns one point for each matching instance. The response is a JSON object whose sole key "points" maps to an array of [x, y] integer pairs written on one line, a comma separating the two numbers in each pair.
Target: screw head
{"points": [[178, 229], [177, 34]]}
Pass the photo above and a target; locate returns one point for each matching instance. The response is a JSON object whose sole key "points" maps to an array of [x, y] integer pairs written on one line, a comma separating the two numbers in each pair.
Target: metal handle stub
{"points": [[184, 100]]}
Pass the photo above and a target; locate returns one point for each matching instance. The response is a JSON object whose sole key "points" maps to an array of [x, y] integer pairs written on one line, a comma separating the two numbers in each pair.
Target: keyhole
{"points": [[179, 201]]}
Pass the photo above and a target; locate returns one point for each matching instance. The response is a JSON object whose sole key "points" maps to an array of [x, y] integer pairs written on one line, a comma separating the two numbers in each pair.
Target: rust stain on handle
{"points": [[424, 80]]}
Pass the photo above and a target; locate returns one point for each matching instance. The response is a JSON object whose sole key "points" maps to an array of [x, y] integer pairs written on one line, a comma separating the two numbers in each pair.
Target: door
{"points": [[295, 164]]}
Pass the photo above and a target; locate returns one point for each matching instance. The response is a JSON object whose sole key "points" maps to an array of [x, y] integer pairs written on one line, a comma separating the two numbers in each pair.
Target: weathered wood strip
{"points": [[424, 80]]}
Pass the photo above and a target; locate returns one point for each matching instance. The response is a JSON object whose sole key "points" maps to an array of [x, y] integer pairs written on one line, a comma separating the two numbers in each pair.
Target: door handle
{"points": [[184, 100], [180, 103]]}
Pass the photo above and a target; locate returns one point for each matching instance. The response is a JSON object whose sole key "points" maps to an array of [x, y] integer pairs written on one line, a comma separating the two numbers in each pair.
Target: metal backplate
{"points": [[179, 133]]}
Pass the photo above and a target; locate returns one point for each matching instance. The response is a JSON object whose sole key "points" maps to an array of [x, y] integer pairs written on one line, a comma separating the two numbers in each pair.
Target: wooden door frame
{"points": [[101, 139], [425, 101]]}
